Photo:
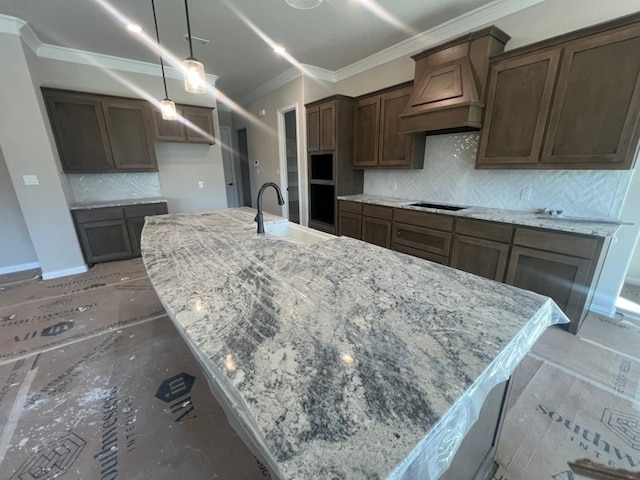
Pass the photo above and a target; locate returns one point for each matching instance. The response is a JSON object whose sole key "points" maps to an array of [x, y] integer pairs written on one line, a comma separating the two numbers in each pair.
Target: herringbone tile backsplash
{"points": [[97, 187], [449, 176]]}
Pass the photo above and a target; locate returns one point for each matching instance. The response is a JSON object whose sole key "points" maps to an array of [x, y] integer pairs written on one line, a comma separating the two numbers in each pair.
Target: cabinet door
{"points": [[366, 132], [202, 129], [595, 113], [350, 225], [313, 129], [105, 240], [80, 132], [395, 149], [481, 257], [168, 130], [518, 102], [328, 126], [129, 127], [561, 277], [376, 231]]}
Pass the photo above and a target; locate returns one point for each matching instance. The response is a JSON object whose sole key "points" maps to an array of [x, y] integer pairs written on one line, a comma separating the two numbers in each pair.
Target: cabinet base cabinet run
{"points": [[113, 233], [563, 266]]}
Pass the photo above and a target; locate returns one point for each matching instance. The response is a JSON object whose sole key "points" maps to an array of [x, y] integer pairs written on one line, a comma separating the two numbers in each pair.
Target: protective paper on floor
{"points": [[19, 277], [130, 404], [560, 418], [37, 325], [98, 276], [621, 333]]}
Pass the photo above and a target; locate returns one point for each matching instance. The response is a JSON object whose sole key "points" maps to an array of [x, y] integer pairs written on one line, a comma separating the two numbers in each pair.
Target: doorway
{"points": [[230, 174], [243, 152], [289, 164]]}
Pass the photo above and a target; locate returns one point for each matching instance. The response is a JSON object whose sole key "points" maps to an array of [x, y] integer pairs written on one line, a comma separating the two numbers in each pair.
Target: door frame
{"points": [[282, 153], [232, 163]]}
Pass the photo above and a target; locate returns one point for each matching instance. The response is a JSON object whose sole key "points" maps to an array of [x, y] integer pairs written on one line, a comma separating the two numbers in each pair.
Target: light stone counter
{"points": [[600, 228], [339, 360], [116, 203]]}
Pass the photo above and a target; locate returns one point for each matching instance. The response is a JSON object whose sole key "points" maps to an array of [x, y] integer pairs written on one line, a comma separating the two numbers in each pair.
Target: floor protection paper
{"points": [[37, 325], [129, 404], [99, 275]]}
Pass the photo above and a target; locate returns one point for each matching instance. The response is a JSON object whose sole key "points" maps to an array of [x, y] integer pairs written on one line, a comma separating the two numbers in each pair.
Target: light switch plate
{"points": [[30, 180]]}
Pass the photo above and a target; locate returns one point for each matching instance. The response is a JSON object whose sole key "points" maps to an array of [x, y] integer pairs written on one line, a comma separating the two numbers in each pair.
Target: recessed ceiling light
{"points": [[134, 27], [279, 49], [303, 4]]}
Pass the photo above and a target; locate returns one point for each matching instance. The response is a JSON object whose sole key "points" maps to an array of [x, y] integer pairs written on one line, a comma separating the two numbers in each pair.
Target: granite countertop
{"points": [[340, 359], [116, 203], [600, 228]]}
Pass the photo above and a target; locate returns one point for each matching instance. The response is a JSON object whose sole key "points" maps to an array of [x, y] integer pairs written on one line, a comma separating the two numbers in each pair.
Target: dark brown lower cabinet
{"points": [[376, 231], [350, 225], [479, 256], [113, 233]]}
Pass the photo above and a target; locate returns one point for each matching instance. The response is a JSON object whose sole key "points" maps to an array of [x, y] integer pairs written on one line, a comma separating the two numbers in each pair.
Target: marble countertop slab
{"points": [[116, 203], [340, 360], [600, 228]]}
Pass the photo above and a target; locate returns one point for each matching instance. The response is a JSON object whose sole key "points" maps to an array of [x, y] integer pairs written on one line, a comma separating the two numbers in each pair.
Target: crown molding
{"points": [[11, 25], [18, 27], [465, 23]]}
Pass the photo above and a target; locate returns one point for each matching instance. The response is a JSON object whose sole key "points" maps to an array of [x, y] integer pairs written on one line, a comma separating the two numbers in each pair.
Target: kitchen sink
{"points": [[436, 205], [296, 233]]}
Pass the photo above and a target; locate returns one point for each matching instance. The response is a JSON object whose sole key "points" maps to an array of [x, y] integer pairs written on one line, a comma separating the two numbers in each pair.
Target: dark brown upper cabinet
{"points": [[176, 131], [98, 133], [571, 102], [378, 142], [321, 127]]}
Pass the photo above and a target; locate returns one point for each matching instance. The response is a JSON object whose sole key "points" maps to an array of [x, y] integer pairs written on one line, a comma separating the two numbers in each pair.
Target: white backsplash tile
{"points": [[449, 176], [98, 187]]}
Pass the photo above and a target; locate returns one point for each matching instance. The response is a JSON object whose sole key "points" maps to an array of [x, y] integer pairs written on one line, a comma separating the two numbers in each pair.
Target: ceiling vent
{"points": [[450, 81]]}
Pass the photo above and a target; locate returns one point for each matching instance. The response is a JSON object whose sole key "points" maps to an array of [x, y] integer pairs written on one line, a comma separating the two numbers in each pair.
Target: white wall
{"points": [[16, 249], [263, 146], [633, 274], [27, 150]]}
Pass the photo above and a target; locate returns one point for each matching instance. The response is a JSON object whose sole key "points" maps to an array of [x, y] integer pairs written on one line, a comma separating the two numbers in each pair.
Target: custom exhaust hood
{"points": [[450, 82]]}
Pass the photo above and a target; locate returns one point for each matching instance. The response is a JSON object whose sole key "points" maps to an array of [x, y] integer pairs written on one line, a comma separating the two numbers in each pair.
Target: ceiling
{"points": [[332, 36]]}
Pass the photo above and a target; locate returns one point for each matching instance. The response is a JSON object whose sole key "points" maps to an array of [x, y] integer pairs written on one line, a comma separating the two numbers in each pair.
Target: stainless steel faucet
{"points": [[259, 218]]}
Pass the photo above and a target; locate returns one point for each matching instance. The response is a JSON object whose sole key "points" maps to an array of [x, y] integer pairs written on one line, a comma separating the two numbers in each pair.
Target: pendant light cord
{"points": [[155, 21], [186, 9]]}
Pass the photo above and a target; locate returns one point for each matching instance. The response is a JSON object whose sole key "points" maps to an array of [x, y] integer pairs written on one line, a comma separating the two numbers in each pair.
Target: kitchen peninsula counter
{"points": [[338, 359]]}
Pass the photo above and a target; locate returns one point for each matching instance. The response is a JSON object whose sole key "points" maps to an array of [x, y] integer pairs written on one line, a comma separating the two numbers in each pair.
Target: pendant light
{"points": [[194, 80], [167, 107], [303, 4]]}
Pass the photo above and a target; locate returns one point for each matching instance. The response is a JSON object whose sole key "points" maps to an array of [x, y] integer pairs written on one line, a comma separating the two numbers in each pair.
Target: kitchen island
{"points": [[336, 358]]}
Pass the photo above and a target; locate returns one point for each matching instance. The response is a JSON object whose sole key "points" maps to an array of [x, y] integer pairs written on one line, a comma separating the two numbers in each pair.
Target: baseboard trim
{"points": [[65, 272], [606, 311], [19, 268], [633, 280]]}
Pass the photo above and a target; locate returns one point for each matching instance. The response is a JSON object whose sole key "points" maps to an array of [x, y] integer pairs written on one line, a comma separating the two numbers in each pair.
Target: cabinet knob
{"points": [[230, 184]]}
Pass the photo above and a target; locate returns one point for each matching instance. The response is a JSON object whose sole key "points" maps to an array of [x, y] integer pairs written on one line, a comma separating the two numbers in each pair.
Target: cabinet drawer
{"points": [[419, 253], [423, 219], [98, 214], [487, 230], [427, 239], [377, 211], [145, 210], [351, 207], [575, 245]]}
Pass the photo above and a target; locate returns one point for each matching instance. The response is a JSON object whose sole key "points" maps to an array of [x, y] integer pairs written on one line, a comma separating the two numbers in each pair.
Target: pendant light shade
{"points": [[167, 107], [194, 80], [303, 4]]}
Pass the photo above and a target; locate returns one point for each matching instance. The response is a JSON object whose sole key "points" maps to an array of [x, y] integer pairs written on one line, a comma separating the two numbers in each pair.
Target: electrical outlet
{"points": [[30, 180], [201, 184], [525, 193]]}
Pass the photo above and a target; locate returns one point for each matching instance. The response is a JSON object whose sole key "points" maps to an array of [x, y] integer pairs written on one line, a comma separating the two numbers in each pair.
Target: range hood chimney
{"points": [[450, 82]]}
